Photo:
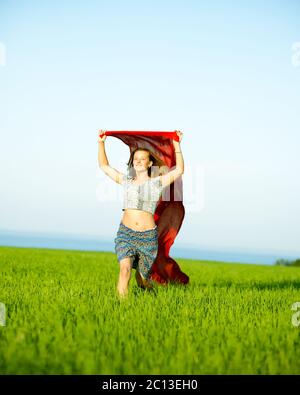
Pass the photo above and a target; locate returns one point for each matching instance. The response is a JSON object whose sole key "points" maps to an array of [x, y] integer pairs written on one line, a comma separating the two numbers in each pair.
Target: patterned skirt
{"points": [[142, 245]]}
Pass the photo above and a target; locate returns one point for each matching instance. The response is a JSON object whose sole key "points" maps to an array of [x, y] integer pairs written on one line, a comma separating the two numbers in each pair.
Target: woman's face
{"points": [[141, 161]]}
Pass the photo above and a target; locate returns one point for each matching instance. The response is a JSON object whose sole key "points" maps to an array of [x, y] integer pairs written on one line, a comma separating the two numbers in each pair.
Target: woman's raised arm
{"points": [[103, 161], [172, 175]]}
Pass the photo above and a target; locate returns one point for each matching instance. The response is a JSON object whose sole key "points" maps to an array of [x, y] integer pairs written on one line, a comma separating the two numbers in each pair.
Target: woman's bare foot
{"points": [[143, 283], [122, 292]]}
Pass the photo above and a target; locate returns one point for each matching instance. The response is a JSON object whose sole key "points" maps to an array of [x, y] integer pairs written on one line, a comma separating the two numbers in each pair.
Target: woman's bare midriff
{"points": [[138, 219]]}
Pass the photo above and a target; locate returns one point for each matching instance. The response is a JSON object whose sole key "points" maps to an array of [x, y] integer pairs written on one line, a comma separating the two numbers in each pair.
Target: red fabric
{"points": [[170, 212]]}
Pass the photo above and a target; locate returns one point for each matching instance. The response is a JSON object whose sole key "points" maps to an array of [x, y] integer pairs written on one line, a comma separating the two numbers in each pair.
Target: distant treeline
{"points": [[286, 262]]}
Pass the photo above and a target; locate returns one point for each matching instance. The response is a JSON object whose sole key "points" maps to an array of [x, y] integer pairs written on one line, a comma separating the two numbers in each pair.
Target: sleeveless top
{"points": [[143, 196]]}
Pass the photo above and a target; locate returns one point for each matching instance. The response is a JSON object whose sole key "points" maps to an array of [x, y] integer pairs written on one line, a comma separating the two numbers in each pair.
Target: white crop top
{"points": [[143, 196]]}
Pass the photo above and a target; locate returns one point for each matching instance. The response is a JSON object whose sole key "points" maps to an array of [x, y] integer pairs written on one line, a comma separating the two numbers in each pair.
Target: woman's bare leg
{"points": [[139, 279], [124, 276]]}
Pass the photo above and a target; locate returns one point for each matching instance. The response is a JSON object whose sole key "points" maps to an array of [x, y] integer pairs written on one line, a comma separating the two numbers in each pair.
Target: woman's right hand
{"points": [[101, 139]]}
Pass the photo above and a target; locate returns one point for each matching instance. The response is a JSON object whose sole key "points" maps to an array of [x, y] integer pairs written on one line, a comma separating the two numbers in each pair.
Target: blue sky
{"points": [[220, 71]]}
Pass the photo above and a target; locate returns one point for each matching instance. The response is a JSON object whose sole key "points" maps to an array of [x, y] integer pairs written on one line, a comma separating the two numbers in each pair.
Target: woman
{"points": [[136, 243]]}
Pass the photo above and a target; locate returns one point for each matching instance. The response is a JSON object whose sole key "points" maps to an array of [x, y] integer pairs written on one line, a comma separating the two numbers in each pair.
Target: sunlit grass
{"points": [[64, 317]]}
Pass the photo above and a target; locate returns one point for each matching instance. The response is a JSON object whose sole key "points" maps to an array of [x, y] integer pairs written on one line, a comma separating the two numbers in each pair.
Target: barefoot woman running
{"points": [[136, 243]]}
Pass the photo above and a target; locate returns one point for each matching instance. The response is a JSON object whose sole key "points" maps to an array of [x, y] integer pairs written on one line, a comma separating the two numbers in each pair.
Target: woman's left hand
{"points": [[179, 134]]}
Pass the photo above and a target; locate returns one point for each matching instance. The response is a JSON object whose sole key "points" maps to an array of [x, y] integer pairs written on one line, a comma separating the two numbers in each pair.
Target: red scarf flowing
{"points": [[169, 213]]}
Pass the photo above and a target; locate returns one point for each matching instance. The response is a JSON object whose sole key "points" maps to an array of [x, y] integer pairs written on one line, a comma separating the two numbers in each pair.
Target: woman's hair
{"points": [[155, 169]]}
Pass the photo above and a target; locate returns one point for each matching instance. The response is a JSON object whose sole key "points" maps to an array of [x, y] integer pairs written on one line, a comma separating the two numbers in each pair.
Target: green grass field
{"points": [[63, 316]]}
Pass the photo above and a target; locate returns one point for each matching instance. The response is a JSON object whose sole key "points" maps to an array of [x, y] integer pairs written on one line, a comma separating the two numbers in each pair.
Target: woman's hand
{"points": [[101, 139], [179, 134]]}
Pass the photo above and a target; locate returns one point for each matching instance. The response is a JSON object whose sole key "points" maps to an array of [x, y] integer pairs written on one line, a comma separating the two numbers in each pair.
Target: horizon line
{"points": [[179, 245]]}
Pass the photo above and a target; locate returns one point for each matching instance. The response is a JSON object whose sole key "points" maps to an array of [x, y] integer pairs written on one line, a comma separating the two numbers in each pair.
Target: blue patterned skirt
{"points": [[142, 245]]}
